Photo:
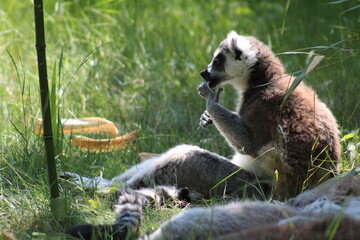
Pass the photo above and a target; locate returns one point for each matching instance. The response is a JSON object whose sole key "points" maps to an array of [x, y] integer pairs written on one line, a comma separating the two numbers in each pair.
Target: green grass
{"points": [[145, 78]]}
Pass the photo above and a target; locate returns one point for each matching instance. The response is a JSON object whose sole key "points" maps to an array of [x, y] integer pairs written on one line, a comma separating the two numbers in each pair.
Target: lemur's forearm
{"points": [[232, 128]]}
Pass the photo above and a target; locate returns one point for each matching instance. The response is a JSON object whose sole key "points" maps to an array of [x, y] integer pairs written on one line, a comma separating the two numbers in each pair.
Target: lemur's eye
{"points": [[238, 54], [219, 61]]}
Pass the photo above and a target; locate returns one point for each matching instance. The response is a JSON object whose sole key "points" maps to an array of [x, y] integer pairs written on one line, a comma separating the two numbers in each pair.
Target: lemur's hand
{"points": [[205, 120], [206, 92], [212, 98]]}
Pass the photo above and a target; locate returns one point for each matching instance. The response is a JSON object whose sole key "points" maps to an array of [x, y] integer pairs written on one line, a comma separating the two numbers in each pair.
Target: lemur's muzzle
{"points": [[205, 74]]}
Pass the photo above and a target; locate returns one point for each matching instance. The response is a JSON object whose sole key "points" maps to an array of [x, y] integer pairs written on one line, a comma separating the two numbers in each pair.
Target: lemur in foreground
{"points": [[298, 142], [330, 211]]}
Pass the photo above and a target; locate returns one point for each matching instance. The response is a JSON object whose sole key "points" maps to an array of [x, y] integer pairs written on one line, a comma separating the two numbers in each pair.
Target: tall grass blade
{"points": [[286, 11], [53, 110], [351, 9], [337, 2], [85, 59], [314, 63], [296, 82], [301, 76]]}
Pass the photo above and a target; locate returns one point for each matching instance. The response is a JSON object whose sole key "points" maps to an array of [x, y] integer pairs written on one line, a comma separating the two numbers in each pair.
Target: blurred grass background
{"points": [[137, 64]]}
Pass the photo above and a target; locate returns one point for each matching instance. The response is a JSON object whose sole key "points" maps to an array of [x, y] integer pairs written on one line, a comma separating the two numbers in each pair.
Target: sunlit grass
{"points": [[137, 63]]}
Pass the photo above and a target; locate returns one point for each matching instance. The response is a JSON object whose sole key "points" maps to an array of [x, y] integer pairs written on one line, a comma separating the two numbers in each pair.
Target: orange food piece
{"points": [[83, 125], [104, 145]]}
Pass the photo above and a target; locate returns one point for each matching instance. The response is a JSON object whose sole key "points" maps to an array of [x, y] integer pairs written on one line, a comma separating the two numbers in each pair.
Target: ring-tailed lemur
{"points": [[299, 141], [330, 211]]}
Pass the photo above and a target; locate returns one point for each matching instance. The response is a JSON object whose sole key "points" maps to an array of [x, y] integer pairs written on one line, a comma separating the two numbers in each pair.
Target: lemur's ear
{"points": [[235, 49], [232, 39], [233, 43]]}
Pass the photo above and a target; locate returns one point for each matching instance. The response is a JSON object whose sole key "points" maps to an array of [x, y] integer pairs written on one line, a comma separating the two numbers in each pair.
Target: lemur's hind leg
{"points": [[191, 167]]}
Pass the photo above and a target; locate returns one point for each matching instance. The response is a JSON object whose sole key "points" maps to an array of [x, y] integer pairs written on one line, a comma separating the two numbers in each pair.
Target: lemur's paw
{"points": [[204, 90], [205, 120]]}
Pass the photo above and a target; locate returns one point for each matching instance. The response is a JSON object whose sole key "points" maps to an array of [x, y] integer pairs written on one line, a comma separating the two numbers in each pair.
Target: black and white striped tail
{"points": [[129, 210]]}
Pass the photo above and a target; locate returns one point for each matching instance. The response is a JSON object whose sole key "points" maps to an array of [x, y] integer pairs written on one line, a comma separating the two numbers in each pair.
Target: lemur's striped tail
{"points": [[129, 210]]}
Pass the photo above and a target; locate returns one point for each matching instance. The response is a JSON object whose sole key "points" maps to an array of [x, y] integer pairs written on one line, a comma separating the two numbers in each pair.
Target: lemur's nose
{"points": [[205, 74]]}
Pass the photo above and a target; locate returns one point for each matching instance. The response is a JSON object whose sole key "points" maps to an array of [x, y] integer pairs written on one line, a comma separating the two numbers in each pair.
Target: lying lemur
{"points": [[330, 211], [298, 142]]}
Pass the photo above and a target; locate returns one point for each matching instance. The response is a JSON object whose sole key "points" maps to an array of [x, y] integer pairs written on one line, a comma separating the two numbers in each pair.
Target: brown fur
{"points": [[304, 131], [344, 190], [348, 229], [314, 214], [340, 189]]}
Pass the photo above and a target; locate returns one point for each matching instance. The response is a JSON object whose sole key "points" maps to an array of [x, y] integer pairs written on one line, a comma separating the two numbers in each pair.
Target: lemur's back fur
{"points": [[299, 141], [304, 133]]}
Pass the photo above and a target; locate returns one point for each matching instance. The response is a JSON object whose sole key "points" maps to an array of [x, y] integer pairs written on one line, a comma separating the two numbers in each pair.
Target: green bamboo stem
{"points": [[45, 102]]}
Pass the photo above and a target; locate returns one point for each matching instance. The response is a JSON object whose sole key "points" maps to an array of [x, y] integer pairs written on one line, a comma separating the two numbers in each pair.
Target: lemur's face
{"points": [[232, 62]]}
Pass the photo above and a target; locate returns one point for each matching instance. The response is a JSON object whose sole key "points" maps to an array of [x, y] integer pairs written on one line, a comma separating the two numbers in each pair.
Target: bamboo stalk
{"points": [[45, 103]]}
